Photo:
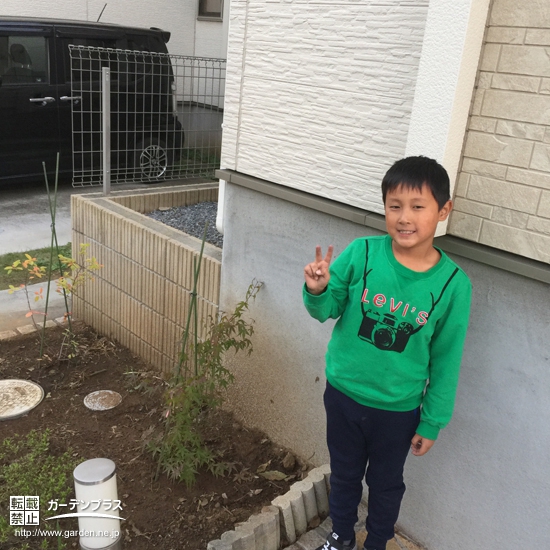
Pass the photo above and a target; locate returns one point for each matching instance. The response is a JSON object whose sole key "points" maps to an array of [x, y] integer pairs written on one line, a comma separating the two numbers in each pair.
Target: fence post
{"points": [[106, 127]]}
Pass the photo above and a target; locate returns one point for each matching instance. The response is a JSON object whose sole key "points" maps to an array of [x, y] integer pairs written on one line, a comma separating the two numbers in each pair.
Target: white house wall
{"points": [[319, 94], [321, 98], [189, 36]]}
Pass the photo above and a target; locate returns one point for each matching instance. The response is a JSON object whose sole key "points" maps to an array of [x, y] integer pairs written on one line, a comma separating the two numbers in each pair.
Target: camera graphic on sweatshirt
{"points": [[385, 331]]}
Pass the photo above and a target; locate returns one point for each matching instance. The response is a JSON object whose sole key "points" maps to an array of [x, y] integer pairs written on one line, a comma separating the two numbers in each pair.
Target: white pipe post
{"points": [[106, 127], [221, 207]]}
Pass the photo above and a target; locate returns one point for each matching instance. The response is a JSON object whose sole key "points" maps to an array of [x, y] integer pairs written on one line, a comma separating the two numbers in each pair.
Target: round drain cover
{"points": [[18, 397], [102, 400]]}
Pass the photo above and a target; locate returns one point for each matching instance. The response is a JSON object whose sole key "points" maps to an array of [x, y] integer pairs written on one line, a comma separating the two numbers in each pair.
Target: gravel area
{"points": [[191, 220]]}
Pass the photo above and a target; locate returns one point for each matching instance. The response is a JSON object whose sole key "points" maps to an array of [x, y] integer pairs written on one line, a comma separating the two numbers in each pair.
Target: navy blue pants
{"points": [[371, 443]]}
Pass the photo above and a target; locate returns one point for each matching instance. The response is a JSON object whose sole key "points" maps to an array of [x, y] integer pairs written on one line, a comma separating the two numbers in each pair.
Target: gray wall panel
{"points": [[486, 482]]}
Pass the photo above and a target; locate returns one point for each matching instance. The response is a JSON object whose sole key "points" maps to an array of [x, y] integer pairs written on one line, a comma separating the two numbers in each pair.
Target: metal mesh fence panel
{"points": [[166, 115]]}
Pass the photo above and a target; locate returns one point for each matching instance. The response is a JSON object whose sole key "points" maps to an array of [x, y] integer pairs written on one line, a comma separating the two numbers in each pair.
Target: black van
{"points": [[36, 99]]}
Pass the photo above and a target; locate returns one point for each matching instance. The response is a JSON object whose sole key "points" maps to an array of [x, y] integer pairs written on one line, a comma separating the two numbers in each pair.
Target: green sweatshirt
{"points": [[398, 340]]}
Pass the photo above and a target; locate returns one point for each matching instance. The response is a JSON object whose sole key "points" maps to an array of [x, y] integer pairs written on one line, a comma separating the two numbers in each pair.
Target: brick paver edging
{"points": [[287, 518], [27, 329]]}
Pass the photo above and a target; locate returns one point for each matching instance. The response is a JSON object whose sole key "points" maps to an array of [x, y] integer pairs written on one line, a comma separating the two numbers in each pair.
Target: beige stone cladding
{"points": [[503, 193], [142, 294]]}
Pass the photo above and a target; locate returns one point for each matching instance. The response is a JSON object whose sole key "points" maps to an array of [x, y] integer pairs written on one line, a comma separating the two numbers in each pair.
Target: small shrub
{"points": [[196, 388]]}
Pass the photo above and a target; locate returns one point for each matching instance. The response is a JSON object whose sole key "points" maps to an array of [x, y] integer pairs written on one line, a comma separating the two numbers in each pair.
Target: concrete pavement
{"points": [[14, 308]]}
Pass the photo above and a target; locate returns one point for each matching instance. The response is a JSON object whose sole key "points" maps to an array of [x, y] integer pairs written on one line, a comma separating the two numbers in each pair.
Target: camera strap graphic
{"points": [[365, 275]]}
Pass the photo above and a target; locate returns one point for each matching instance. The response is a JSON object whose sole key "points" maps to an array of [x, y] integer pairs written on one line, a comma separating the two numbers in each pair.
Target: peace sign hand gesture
{"points": [[316, 273]]}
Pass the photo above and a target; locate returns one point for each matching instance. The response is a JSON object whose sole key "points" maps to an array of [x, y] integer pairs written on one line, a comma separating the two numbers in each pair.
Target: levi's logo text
{"points": [[379, 300]]}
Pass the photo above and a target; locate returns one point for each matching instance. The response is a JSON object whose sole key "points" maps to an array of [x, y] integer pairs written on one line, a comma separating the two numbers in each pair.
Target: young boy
{"points": [[393, 361]]}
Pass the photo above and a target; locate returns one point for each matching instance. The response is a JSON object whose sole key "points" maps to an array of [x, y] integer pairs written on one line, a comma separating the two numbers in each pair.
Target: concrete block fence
{"points": [[287, 519], [142, 294]]}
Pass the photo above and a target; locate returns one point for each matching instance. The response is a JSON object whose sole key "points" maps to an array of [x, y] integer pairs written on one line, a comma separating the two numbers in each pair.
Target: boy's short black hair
{"points": [[413, 173]]}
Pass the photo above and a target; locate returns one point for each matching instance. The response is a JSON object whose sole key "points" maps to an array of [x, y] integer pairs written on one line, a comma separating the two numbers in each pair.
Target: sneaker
{"points": [[333, 542]]}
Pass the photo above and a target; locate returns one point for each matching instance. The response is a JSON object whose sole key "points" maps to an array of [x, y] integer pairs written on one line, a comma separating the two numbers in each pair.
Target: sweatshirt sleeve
{"points": [[331, 303], [445, 358]]}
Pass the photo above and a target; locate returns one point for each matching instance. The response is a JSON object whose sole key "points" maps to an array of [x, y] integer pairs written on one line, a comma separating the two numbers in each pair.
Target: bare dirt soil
{"points": [[159, 513]]}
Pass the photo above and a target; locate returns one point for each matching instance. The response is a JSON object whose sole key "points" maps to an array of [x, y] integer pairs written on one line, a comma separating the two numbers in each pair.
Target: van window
{"points": [[125, 67], [88, 67], [23, 59]]}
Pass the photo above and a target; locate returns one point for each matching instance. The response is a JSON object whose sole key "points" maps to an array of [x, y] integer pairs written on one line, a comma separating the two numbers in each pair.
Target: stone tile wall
{"points": [[141, 296], [503, 190]]}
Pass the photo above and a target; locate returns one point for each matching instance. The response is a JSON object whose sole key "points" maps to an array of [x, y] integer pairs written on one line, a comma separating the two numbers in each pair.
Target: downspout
{"points": [[221, 207]]}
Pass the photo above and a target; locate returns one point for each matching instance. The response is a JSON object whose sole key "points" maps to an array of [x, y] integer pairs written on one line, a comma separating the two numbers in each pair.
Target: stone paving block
{"points": [[273, 519], [286, 519], [298, 512], [325, 470], [247, 536], [325, 528], [509, 217], [524, 60], [219, 545], [240, 540], [321, 494], [27, 329], [308, 494], [61, 321], [524, 130], [49, 324], [7, 334], [404, 543], [264, 529], [311, 540]]}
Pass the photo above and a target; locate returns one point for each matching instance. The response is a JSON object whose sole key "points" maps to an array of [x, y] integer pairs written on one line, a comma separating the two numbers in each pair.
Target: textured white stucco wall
{"points": [[330, 96], [189, 36], [319, 95]]}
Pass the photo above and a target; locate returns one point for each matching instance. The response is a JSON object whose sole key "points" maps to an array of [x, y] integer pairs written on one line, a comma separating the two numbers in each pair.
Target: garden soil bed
{"points": [[159, 513]]}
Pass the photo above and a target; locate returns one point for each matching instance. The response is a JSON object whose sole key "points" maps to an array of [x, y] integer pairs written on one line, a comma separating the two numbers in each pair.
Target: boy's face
{"points": [[412, 216]]}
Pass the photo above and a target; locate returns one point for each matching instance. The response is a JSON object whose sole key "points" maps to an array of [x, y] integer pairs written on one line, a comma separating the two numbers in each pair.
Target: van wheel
{"points": [[152, 160]]}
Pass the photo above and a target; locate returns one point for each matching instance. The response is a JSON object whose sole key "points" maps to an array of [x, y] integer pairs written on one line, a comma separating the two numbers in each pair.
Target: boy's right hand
{"points": [[316, 273]]}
